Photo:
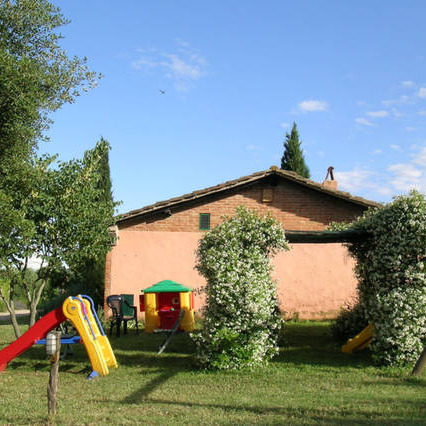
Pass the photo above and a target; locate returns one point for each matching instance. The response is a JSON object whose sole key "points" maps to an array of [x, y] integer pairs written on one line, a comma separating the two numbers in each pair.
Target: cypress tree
{"points": [[92, 272], [293, 159]]}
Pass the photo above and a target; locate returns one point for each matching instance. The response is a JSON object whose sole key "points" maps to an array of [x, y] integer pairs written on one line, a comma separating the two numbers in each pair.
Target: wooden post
{"points": [[52, 387], [420, 364]]}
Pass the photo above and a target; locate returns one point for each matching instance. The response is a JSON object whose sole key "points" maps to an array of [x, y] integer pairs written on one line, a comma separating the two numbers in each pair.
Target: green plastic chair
{"points": [[129, 311], [122, 312]]}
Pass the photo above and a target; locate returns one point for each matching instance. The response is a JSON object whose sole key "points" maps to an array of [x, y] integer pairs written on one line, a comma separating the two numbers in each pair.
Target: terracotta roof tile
{"points": [[274, 170]]}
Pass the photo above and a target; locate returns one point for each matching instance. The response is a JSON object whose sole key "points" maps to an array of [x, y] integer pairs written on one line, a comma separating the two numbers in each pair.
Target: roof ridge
{"points": [[273, 170]]}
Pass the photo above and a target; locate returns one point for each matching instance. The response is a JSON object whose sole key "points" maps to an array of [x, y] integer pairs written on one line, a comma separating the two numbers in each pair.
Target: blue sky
{"points": [[236, 75]]}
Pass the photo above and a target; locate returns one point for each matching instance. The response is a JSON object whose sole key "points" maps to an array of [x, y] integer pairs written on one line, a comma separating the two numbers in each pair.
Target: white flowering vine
{"points": [[390, 265], [241, 316]]}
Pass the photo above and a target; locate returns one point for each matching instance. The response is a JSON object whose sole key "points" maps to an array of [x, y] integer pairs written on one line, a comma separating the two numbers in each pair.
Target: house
{"points": [[159, 241]]}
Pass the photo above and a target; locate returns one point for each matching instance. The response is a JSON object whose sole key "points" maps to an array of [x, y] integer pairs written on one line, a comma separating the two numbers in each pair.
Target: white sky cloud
{"points": [[403, 99], [363, 121], [313, 105], [422, 92], [422, 112], [378, 114], [183, 67], [396, 113], [34, 263], [395, 179], [420, 157], [405, 176], [359, 180], [252, 147], [285, 125], [395, 147], [408, 83]]}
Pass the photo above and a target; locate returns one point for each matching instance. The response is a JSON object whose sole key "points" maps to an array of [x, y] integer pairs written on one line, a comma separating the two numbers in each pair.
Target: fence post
{"points": [[53, 348]]}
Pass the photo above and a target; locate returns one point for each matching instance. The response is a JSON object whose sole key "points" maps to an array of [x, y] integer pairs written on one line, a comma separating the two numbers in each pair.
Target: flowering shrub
{"points": [[350, 321], [241, 316], [390, 266]]}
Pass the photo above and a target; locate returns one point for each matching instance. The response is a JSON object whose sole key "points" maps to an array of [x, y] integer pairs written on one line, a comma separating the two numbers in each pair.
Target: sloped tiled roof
{"points": [[273, 171]]}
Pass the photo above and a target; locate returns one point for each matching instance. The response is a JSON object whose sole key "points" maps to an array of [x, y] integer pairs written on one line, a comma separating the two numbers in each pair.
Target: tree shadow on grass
{"points": [[276, 414], [312, 344], [150, 342], [157, 381], [390, 380]]}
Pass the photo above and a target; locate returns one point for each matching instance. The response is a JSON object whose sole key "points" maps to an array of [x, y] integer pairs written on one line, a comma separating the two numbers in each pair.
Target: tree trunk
{"points": [[14, 322], [34, 304], [33, 314], [10, 305], [420, 364]]}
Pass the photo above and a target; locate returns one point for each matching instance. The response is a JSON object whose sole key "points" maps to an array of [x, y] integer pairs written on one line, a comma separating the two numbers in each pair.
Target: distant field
{"points": [[310, 382]]}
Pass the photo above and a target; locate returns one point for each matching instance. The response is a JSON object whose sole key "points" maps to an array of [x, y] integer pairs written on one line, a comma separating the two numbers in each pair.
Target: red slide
{"points": [[36, 332]]}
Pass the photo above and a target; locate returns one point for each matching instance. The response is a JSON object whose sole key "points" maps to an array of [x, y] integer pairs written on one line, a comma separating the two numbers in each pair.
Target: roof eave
{"points": [[193, 196]]}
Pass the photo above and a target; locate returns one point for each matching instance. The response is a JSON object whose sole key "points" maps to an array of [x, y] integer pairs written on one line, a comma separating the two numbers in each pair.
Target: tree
{"points": [[241, 317], [36, 78], [36, 75], [91, 272], [293, 159], [62, 222]]}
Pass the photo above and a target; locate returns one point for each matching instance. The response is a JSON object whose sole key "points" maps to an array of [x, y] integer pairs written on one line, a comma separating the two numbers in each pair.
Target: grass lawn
{"points": [[310, 382]]}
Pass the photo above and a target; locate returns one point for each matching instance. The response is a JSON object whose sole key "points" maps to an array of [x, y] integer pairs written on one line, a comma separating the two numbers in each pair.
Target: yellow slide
{"points": [[80, 311], [360, 341]]}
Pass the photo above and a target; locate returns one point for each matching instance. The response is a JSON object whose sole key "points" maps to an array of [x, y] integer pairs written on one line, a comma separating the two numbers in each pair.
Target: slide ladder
{"points": [[80, 311]]}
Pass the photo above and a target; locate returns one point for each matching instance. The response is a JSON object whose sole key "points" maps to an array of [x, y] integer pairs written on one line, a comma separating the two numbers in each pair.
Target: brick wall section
{"points": [[297, 207]]}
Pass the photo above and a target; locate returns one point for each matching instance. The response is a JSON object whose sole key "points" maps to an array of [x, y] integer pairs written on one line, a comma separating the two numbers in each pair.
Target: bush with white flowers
{"points": [[390, 265], [241, 316]]}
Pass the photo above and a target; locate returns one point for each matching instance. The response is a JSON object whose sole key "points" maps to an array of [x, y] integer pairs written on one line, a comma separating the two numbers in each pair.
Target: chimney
{"points": [[330, 183]]}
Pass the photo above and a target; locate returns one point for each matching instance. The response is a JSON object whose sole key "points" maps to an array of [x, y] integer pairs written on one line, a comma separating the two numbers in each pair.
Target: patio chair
{"points": [[129, 311], [122, 312]]}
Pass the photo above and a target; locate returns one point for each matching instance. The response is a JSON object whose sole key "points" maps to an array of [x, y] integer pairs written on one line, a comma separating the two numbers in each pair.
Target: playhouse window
{"points": [[204, 224]]}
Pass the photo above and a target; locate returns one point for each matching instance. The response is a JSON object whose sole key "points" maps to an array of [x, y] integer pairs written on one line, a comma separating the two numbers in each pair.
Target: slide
{"points": [[36, 332], [360, 341], [80, 311]]}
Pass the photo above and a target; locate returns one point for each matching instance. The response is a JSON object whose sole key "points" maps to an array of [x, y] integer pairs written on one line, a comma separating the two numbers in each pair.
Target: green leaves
{"points": [[58, 215], [241, 317], [36, 75], [293, 158], [392, 277], [55, 214]]}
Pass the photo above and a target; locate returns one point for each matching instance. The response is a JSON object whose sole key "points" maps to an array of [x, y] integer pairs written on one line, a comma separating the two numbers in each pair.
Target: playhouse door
{"points": [[169, 308]]}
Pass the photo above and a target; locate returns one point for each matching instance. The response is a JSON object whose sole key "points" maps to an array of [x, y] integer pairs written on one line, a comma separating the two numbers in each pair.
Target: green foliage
{"points": [[91, 271], [36, 74], [66, 223], [241, 317], [293, 159], [390, 266], [50, 213], [349, 322]]}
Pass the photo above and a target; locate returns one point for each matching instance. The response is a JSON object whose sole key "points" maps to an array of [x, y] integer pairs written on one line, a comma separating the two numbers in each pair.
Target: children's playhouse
{"points": [[163, 303]]}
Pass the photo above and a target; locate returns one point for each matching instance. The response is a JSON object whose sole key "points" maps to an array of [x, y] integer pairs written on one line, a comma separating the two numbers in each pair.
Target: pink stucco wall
{"points": [[314, 280]]}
